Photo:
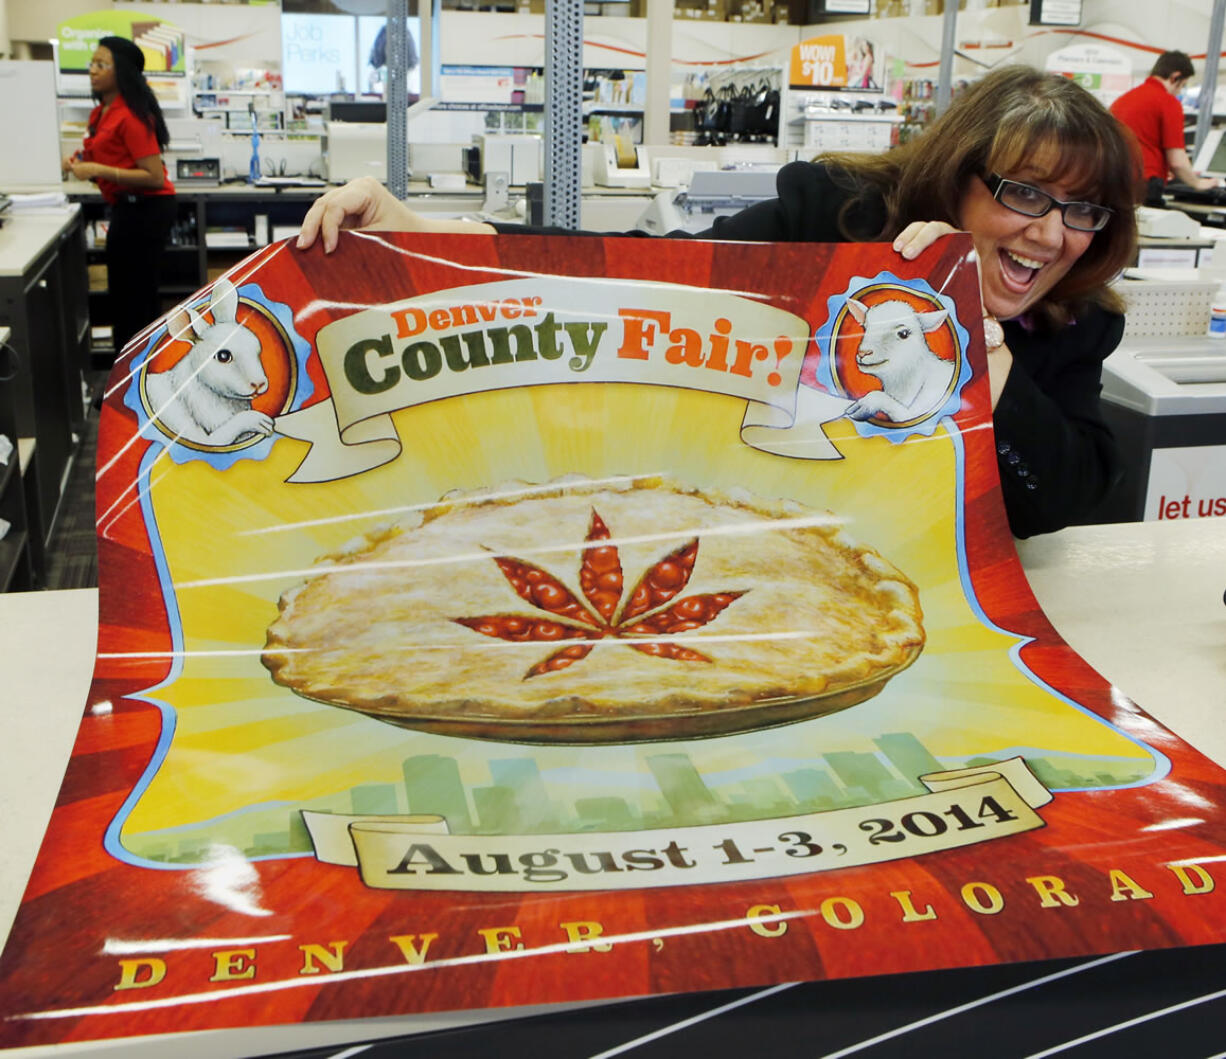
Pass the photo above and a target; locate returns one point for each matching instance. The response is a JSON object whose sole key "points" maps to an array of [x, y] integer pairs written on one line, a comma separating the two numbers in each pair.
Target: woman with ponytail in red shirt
{"points": [[122, 154]]}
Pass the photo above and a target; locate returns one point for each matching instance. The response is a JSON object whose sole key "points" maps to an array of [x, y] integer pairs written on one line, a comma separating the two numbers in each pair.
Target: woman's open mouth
{"points": [[1018, 271]]}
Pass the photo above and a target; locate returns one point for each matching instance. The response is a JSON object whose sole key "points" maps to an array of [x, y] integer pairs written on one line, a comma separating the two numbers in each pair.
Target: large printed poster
{"points": [[492, 621]]}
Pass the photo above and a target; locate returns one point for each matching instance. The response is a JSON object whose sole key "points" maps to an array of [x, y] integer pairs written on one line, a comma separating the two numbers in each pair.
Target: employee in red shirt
{"points": [[122, 154], [1155, 117]]}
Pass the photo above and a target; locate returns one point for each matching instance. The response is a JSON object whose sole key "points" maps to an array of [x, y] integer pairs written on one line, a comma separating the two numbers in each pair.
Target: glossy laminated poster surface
{"points": [[499, 621]]}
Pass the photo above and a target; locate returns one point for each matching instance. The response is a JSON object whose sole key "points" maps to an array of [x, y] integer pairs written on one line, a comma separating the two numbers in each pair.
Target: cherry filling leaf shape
{"points": [[650, 611]]}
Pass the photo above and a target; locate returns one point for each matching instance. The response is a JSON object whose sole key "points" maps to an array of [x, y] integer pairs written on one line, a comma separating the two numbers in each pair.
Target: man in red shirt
{"points": [[1155, 117]]}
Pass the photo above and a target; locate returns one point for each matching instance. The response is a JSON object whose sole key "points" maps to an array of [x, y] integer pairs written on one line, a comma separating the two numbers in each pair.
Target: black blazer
{"points": [[1056, 454]]}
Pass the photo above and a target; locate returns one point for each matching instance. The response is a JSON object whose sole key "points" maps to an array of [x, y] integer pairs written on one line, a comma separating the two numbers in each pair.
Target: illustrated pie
{"points": [[583, 611]]}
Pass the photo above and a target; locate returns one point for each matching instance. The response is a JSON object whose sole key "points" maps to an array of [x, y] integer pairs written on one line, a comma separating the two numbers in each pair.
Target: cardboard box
{"points": [[751, 10], [712, 11]]}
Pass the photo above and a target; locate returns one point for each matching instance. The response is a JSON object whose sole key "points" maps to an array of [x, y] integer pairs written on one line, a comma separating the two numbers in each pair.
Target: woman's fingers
{"points": [[324, 218], [333, 217], [365, 203], [310, 224], [352, 206], [362, 203], [918, 236]]}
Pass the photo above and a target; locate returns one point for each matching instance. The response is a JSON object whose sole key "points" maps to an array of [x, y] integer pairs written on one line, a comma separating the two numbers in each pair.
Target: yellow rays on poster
{"points": [[235, 540]]}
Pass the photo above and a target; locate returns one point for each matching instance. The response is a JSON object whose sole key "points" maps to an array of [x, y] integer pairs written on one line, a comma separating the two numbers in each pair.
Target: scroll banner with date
{"points": [[552, 330], [965, 807]]}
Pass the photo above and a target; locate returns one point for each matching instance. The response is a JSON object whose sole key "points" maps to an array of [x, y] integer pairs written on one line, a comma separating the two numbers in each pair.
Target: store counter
{"points": [[44, 302], [1174, 252], [602, 208], [26, 235], [1141, 602], [1164, 397], [1210, 214]]}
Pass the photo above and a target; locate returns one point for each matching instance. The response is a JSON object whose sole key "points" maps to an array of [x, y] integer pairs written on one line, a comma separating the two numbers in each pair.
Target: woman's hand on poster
{"points": [[918, 236], [365, 203], [912, 241]]}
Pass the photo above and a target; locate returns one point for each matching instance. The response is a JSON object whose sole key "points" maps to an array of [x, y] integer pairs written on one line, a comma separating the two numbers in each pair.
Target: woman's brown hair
{"points": [[998, 125]]}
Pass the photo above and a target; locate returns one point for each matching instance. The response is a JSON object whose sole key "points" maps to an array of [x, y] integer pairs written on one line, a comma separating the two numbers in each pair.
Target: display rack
{"points": [[235, 108], [842, 120], [918, 107]]}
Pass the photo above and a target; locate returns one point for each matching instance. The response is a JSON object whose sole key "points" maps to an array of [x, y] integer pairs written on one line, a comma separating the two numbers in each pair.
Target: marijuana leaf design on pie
{"points": [[648, 612]]}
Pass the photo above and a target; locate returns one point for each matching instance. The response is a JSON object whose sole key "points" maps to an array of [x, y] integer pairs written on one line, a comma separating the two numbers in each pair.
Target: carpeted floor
{"points": [[72, 552]]}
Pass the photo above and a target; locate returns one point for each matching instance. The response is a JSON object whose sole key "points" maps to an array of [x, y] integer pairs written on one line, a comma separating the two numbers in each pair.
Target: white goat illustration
{"points": [[914, 380], [206, 397]]}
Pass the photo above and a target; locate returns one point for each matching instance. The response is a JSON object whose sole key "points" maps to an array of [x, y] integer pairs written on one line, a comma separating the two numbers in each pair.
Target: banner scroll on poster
{"points": [[418, 854]]}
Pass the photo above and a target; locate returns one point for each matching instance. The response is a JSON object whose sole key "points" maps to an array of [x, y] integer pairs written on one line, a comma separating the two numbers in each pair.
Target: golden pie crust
{"points": [[498, 615]]}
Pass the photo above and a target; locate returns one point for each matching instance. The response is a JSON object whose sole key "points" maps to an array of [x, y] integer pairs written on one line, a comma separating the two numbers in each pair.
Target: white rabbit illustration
{"points": [[206, 397], [914, 380]]}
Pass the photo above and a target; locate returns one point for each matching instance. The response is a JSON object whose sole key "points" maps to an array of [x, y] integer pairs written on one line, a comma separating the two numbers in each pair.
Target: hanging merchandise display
{"points": [[489, 621]]}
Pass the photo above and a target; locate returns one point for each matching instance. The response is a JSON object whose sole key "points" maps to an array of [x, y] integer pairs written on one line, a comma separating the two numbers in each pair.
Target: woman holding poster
{"points": [[1038, 172]]}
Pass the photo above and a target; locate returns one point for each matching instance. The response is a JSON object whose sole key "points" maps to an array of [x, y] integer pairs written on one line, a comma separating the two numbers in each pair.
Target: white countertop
{"points": [[25, 235], [1141, 602], [1144, 604]]}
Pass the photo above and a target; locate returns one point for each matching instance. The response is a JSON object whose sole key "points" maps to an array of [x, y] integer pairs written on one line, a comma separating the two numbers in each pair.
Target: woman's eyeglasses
{"points": [[1035, 202], [100, 64]]}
